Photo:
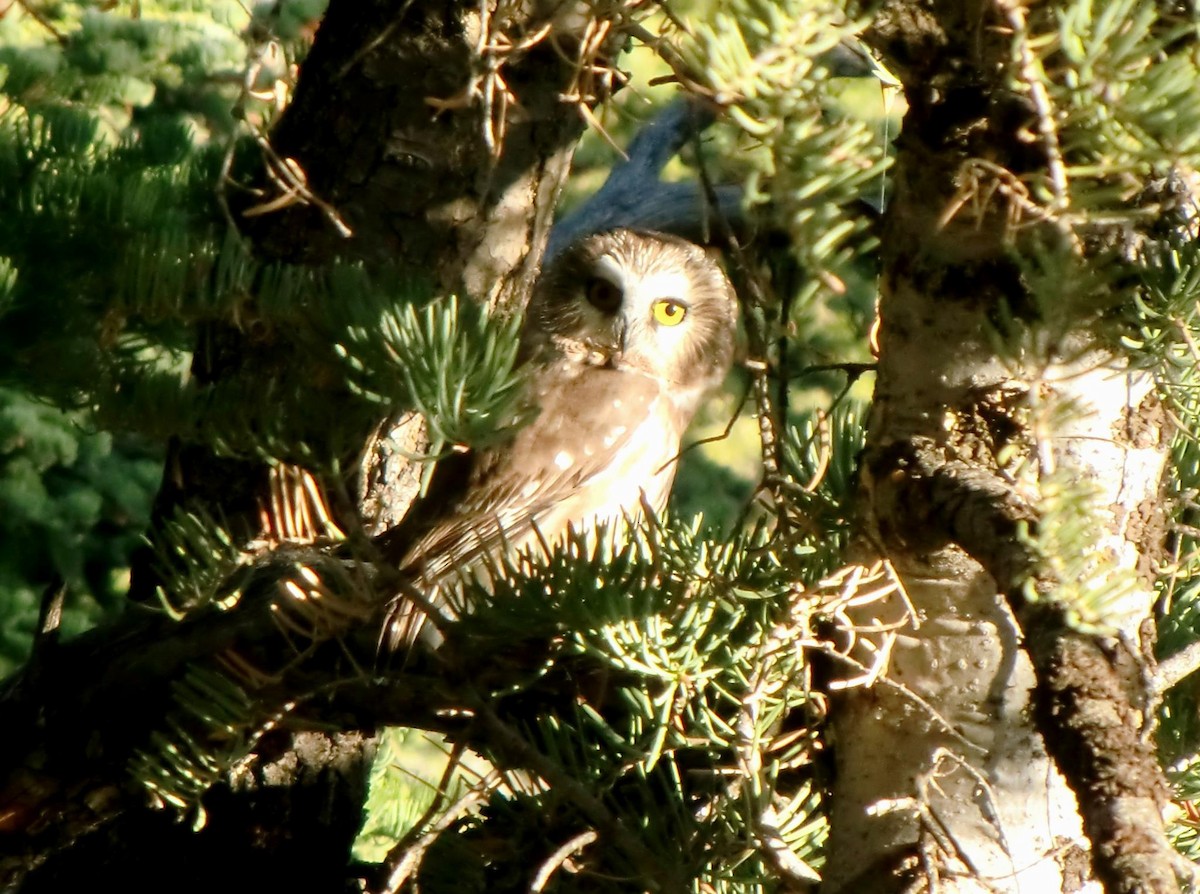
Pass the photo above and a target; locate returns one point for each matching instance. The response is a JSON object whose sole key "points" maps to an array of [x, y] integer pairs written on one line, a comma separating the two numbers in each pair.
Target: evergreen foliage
{"points": [[763, 63], [1113, 85], [74, 503], [110, 130], [698, 641], [401, 358], [701, 756], [115, 134]]}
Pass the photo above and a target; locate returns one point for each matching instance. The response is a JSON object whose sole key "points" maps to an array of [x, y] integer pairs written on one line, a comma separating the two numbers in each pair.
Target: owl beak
{"points": [[620, 328]]}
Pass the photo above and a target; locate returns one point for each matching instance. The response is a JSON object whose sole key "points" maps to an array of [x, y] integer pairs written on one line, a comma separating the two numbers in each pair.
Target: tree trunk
{"points": [[952, 773]]}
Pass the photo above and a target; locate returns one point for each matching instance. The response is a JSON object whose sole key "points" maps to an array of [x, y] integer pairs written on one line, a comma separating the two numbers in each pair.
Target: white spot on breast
{"points": [[611, 437], [530, 489], [564, 460], [616, 403]]}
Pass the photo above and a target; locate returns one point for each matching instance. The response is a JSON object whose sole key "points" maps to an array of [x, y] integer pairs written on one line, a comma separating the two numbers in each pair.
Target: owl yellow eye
{"points": [[668, 312]]}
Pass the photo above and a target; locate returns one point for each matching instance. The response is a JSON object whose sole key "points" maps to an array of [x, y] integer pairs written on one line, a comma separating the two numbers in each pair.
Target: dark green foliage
{"points": [[402, 355], [113, 128], [693, 640], [114, 247], [72, 507], [181, 764], [697, 736]]}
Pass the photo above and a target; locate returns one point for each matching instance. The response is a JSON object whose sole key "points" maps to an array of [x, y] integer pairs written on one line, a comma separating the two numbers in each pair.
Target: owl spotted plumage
{"points": [[625, 334]]}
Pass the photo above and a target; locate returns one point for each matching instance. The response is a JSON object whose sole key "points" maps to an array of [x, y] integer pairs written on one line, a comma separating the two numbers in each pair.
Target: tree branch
{"points": [[1083, 705], [634, 196]]}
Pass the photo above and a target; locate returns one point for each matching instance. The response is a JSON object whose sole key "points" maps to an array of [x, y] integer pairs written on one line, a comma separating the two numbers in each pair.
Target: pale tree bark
{"points": [[952, 773]]}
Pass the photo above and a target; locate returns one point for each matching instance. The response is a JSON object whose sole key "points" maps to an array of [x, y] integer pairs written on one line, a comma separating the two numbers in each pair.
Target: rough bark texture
{"points": [[416, 186], [973, 795], [67, 788], [1084, 711], [417, 183], [276, 827]]}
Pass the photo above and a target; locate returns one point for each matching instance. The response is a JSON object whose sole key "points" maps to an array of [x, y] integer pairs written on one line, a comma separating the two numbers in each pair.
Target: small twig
{"points": [[1171, 671], [285, 173], [293, 184], [675, 18], [782, 857], [750, 756], [256, 53], [826, 456], [712, 439], [50, 615], [559, 857], [782, 360], [39, 17], [768, 420], [1047, 131], [411, 856], [681, 71], [986, 797], [45, 636], [942, 835], [854, 370]]}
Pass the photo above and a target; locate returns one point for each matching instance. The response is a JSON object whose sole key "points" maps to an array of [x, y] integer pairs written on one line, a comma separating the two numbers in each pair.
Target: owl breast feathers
{"points": [[625, 334]]}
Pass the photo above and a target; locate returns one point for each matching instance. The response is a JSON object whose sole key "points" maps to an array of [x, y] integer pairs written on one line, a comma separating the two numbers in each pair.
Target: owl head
{"points": [[645, 302]]}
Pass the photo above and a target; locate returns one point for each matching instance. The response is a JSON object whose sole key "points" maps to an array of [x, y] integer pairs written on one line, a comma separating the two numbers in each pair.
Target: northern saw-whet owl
{"points": [[625, 334]]}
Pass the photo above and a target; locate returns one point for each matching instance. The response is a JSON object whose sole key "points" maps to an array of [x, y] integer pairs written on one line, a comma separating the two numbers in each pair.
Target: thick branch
{"points": [[107, 693], [634, 196], [1086, 683]]}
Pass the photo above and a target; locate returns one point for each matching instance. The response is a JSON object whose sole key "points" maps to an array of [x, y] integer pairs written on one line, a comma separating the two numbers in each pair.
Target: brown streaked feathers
{"points": [[613, 381]]}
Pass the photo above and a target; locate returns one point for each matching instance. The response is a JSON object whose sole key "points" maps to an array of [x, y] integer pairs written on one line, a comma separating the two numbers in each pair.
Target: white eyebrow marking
{"points": [[609, 269], [669, 284]]}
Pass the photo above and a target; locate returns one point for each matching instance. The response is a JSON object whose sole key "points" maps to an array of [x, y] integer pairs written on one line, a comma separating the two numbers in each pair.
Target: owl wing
{"points": [[587, 420], [604, 440]]}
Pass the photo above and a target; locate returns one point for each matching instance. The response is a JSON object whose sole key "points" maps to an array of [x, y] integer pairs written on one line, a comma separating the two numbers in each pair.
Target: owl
{"points": [[625, 334]]}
